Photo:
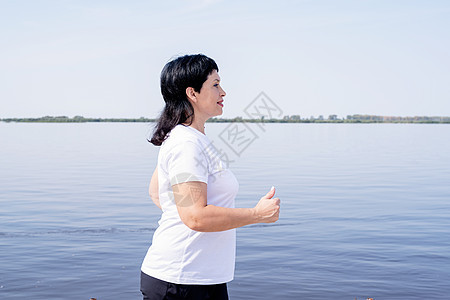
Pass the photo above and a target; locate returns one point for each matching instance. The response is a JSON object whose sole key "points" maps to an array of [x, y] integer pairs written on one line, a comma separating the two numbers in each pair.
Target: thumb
{"points": [[270, 194]]}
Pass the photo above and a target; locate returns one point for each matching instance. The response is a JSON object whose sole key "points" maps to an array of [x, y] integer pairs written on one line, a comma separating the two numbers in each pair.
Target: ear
{"points": [[191, 94]]}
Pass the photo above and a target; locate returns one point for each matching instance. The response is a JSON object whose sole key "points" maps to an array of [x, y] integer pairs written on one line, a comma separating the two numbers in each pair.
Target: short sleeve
{"points": [[187, 162]]}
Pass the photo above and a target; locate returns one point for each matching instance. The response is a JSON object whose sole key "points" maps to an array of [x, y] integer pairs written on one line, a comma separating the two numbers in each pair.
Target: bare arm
{"points": [[190, 198], [153, 189]]}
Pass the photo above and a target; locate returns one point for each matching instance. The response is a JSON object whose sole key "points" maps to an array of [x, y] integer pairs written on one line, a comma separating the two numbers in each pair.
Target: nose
{"points": [[222, 92]]}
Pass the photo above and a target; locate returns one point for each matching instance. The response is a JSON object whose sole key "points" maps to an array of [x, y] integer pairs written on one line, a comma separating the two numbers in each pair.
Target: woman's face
{"points": [[210, 99]]}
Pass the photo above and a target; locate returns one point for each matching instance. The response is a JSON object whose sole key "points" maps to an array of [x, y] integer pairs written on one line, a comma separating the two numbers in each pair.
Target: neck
{"points": [[198, 124]]}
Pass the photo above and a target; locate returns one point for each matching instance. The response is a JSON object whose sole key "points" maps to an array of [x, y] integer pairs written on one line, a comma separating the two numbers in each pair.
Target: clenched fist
{"points": [[268, 210]]}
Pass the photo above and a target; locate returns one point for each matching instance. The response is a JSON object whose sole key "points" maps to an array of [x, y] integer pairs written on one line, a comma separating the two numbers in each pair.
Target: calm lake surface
{"points": [[365, 210]]}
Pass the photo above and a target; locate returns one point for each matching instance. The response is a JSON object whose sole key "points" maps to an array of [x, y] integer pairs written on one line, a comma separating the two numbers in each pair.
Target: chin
{"points": [[218, 114]]}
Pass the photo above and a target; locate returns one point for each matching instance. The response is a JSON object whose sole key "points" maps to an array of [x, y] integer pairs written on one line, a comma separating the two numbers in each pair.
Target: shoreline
{"points": [[356, 119]]}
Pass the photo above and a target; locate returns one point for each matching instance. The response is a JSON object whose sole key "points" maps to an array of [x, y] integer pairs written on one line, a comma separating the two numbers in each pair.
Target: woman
{"points": [[192, 255]]}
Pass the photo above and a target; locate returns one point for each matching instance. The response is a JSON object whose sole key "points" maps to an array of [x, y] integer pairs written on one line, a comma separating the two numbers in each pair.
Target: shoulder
{"points": [[182, 133], [182, 138]]}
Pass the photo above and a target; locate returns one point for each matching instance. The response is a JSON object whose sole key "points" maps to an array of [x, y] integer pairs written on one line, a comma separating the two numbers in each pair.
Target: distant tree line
{"points": [[286, 119], [393, 119], [76, 119]]}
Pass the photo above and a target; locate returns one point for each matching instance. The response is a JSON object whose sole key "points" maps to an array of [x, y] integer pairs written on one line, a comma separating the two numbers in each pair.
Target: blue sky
{"points": [[103, 58]]}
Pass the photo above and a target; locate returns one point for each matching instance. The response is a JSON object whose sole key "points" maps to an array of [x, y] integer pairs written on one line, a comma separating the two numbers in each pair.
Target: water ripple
{"points": [[77, 231]]}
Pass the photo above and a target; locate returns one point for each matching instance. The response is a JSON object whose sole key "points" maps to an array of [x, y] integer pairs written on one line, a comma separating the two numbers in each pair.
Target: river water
{"points": [[365, 210]]}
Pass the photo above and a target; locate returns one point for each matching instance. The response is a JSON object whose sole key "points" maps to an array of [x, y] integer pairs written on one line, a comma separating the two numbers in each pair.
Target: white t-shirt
{"points": [[178, 254]]}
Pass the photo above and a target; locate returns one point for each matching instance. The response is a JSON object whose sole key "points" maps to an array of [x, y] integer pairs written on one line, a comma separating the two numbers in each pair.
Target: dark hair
{"points": [[176, 76]]}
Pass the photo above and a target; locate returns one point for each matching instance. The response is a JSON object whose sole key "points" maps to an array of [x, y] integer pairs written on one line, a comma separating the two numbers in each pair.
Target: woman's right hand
{"points": [[268, 210]]}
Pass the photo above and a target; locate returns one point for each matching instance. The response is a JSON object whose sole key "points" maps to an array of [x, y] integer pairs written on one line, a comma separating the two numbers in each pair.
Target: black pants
{"points": [[155, 289]]}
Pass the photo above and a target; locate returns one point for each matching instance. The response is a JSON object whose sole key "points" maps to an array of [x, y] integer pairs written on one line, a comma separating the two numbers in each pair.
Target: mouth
{"points": [[220, 103]]}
